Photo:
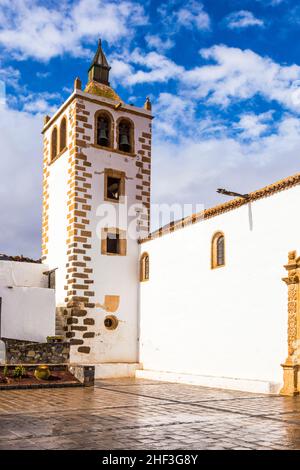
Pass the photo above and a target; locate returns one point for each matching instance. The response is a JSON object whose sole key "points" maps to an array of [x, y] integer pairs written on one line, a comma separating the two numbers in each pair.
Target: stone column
{"points": [[291, 378]]}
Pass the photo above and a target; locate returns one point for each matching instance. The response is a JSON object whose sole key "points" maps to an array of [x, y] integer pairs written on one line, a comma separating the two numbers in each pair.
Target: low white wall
{"points": [[21, 274], [229, 322], [27, 313], [2, 352]]}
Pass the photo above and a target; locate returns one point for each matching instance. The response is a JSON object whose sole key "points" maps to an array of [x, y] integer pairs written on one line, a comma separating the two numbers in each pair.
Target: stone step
{"points": [[59, 325]]}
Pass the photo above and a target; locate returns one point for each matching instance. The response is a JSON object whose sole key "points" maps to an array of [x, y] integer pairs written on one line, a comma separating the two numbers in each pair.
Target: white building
{"points": [[27, 304], [199, 301], [222, 324]]}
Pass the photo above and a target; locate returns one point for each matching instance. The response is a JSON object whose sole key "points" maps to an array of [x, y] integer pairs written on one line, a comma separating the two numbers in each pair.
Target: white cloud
{"points": [[241, 74], [120, 70], [254, 125], [43, 102], [207, 164], [21, 182], [192, 15], [242, 19], [29, 28], [169, 110], [156, 42], [135, 68], [232, 74], [11, 77], [159, 68]]}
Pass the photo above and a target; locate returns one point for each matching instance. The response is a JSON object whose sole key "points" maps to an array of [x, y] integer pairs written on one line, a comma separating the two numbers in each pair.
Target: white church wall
{"points": [[227, 326]]}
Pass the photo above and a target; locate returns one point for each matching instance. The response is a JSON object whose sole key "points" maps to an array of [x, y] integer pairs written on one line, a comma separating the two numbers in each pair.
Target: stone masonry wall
{"points": [[26, 352], [79, 293], [143, 164]]}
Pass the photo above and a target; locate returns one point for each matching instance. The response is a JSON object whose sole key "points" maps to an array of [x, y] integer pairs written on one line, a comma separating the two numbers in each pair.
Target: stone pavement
{"points": [[142, 414]]}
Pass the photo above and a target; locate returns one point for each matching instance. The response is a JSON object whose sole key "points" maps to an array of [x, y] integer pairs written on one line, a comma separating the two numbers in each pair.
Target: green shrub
{"points": [[19, 372], [55, 339]]}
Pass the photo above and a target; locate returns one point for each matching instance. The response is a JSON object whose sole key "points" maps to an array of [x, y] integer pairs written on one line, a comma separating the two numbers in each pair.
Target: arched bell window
{"points": [[63, 135], [218, 250], [125, 136], [144, 267], [103, 124], [54, 143]]}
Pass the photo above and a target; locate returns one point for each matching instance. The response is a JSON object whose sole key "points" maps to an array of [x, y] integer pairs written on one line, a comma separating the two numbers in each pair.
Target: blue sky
{"points": [[223, 76]]}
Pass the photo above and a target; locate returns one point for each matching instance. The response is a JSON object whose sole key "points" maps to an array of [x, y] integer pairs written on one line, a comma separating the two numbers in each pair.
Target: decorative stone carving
{"points": [[291, 367]]}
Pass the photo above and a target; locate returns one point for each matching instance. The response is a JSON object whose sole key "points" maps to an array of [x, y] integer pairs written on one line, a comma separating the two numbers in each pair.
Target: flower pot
{"points": [[42, 373]]}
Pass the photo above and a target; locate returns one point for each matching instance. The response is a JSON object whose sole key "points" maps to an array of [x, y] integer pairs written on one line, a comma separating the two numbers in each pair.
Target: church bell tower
{"points": [[96, 205]]}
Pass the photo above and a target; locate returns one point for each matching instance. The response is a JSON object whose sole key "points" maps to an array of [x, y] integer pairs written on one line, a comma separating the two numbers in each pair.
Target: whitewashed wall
{"points": [[58, 210], [13, 273], [113, 275], [27, 313], [27, 306], [225, 327]]}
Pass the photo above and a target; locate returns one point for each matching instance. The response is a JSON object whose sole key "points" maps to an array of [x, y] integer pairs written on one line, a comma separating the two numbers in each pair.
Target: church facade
{"points": [[201, 300], [221, 306]]}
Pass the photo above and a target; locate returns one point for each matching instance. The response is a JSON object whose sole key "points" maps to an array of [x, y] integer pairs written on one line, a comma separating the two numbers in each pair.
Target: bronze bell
{"points": [[102, 137], [124, 139], [113, 189], [103, 134]]}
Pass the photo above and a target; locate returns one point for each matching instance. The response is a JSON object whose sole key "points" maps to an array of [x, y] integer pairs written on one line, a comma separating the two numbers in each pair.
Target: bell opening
{"points": [[124, 140], [103, 132], [113, 188]]}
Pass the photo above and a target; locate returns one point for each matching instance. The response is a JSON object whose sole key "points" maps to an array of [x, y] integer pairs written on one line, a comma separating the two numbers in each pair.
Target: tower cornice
{"points": [[98, 100]]}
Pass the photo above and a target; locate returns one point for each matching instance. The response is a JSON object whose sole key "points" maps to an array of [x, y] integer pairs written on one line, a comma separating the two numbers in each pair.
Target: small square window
{"points": [[113, 243]]}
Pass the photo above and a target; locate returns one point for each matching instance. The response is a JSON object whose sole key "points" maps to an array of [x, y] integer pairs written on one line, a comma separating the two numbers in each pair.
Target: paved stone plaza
{"points": [[140, 414]]}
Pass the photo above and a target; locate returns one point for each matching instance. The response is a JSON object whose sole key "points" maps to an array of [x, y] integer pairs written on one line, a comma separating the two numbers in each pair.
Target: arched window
{"points": [[54, 143], [144, 267], [63, 135], [218, 250], [103, 133], [125, 137]]}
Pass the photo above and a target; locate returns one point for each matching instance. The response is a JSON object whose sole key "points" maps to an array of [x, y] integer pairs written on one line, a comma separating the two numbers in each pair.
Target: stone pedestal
{"points": [[84, 373], [290, 380]]}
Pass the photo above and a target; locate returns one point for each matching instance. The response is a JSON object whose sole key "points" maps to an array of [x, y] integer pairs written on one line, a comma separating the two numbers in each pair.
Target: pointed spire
{"points": [[99, 69]]}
